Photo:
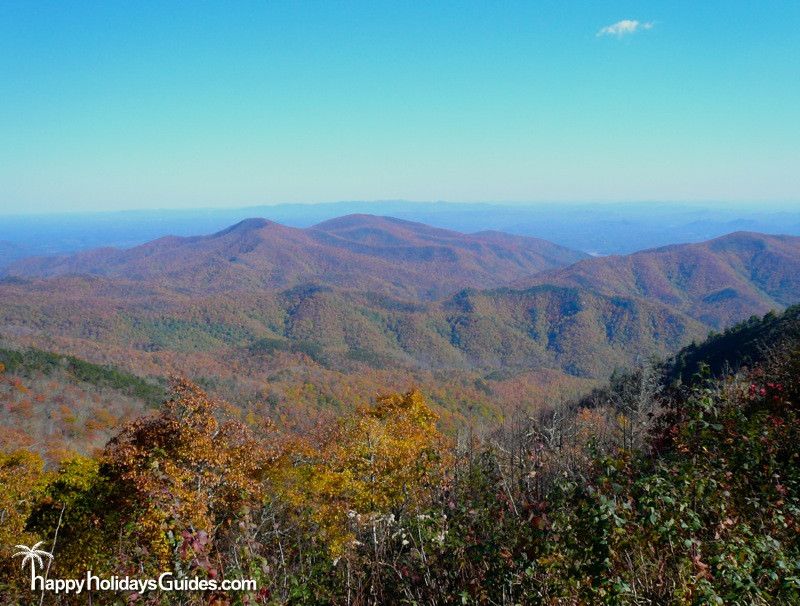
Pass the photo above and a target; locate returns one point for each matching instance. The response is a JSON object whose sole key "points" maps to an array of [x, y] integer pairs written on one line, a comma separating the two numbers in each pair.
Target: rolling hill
{"points": [[363, 252], [718, 282], [331, 313]]}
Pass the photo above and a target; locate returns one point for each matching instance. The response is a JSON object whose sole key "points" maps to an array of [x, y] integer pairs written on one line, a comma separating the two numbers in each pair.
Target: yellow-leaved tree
{"points": [[383, 459], [21, 477]]}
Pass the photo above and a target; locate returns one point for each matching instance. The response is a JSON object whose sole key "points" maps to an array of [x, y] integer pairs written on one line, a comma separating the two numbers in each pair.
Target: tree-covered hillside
{"points": [[311, 320], [656, 492], [745, 344], [55, 405]]}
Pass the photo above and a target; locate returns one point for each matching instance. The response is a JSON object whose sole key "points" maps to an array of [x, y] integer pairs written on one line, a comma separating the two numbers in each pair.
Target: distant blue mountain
{"points": [[598, 229]]}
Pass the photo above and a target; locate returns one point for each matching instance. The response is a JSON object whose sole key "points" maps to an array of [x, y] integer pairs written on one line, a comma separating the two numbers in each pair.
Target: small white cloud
{"points": [[625, 27]]}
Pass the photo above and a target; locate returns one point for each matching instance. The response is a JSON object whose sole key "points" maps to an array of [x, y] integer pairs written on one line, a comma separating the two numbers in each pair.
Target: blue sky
{"points": [[116, 105]]}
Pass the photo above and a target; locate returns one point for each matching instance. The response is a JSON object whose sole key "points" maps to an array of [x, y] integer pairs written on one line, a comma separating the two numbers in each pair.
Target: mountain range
{"points": [[718, 282], [379, 254], [265, 310], [597, 228]]}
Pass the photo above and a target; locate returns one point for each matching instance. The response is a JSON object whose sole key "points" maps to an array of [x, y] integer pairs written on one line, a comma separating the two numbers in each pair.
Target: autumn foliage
{"points": [[186, 470], [388, 458], [651, 490]]}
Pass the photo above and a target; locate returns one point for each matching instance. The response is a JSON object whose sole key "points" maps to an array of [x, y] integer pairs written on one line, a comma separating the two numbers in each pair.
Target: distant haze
{"points": [[598, 229]]}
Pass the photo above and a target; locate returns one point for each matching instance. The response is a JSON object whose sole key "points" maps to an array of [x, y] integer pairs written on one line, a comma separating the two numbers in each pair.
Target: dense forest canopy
{"points": [[301, 323], [661, 488]]}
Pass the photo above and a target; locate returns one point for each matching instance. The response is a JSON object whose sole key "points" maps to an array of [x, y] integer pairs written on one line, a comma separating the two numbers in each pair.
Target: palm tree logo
{"points": [[33, 555]]}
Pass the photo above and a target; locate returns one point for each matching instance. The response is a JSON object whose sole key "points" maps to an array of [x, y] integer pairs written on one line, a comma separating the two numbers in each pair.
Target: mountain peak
{"points": [[246, 225], [355, 251]]}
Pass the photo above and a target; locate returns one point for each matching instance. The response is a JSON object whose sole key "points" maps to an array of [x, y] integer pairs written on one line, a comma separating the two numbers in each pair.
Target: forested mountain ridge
{"points": [[718, 282], [749, 343], [542, 327], [202, 307], [377, 254]]}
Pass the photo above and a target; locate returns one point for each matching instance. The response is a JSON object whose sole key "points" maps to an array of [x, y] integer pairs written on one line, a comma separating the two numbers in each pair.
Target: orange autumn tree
{"points": [[384, 459], [183, 474]]}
